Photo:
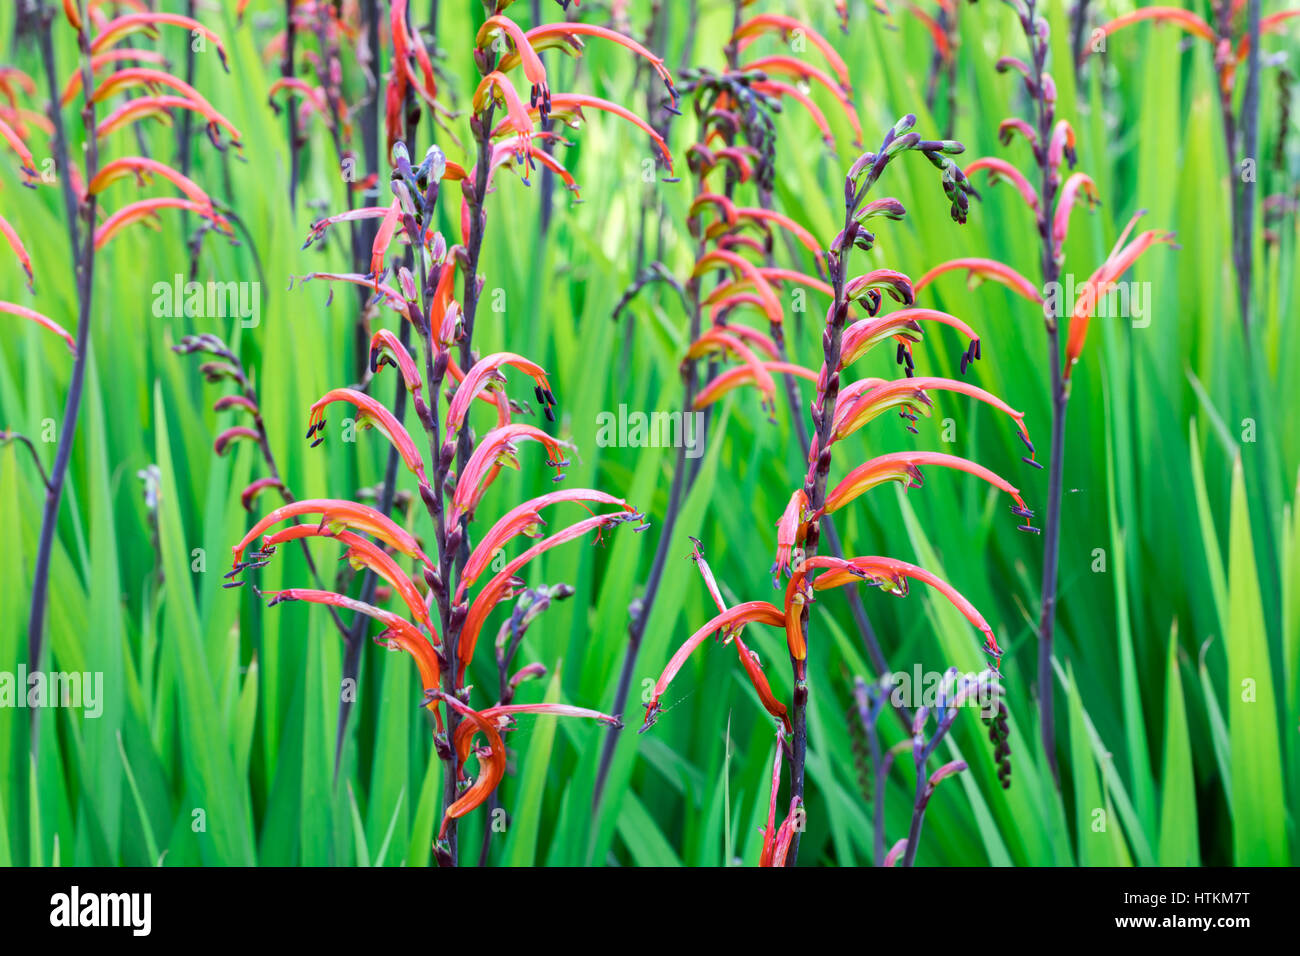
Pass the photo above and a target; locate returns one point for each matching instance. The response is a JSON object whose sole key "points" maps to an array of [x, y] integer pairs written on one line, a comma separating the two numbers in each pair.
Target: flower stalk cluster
{"points": [[449, 583]]}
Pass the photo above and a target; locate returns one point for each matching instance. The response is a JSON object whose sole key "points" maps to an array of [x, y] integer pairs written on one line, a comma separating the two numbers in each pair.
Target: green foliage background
{"points": [[213, 702]]}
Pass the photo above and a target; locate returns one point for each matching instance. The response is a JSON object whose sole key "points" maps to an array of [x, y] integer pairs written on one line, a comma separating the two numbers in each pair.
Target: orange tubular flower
{"points": [[156, 107], [854, 411], [805, 237], [565, 36], [401, 634], [314, 96], [750, 612], [722, 259], [134, 76], [769, 833], [498, 447], [384, 239], [758, 339], [525, 519], [503, 716], [904, 467], [15, 142], [143, 168], [100, 60], [865, 334], [1016, 125], [1175, 15], [502, 26], [1061, 146], [490, 773], [336, 515], [124, 26], [748, 659], [1000, 169], [774, 22], [361, 552], [43, 321], [747, 375], [500, 586], [785, 835], [497, 86], [791, 529], [719, 338], [981, 269], [16, 244], [371, 413], [571, 105], [486, 375], [895, 283], [387, 349], [145, 210], [1101, 282], [892, 575], [1069, 195]]}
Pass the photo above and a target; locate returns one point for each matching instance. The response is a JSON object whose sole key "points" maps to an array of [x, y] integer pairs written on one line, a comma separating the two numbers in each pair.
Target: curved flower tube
{"points": [[1069, 195], [1100, 283], [157, 106], [746, 375], [15, 143], [853, 410], [748, 659], [143, 168], [904, 467], [1000, 169], [865, 334], [791, 528], [497, 86], [145, 210], [1016, 125], [565, 35], [981, 269], [485, 375], [492, 766], [775, 22], [1175, 15], [498, 447], [503, 717], [525, 519], [400, 634], [337, 515], [504, 27], [371, 413], [43, 321], [741, 267], [500, 586], [719, 338], [101, 60], [892, 574], [16, 244], [361, 552], [570, 105], [117, 30], [387, 349], [255, 488], [749, 612]]}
